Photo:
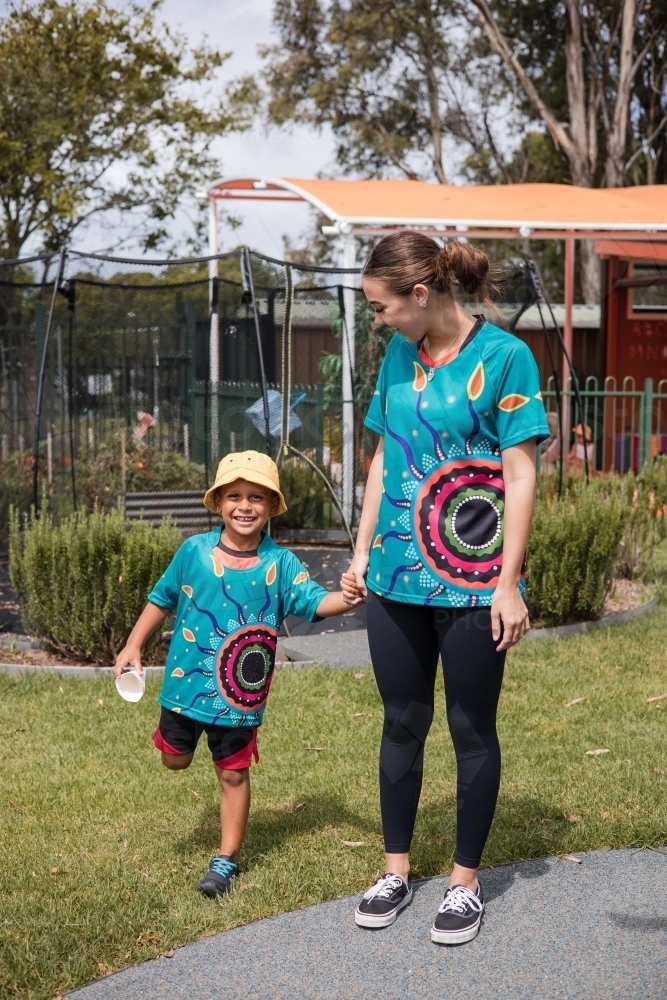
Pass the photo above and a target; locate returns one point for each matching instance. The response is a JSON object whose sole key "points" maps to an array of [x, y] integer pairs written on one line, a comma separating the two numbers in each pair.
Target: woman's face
{"points": [[409, 314]]}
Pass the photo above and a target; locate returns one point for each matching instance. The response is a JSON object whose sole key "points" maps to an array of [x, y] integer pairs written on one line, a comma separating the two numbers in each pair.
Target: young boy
{"points": [[230, 591]]}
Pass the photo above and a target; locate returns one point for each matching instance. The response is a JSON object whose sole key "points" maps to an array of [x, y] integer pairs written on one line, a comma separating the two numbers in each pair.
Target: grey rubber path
{"points": [[590, 931], [331, 650]]}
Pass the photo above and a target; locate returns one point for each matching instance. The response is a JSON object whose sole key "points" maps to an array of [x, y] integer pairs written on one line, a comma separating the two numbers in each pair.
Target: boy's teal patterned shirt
{"points": [[439, 536], [222, 654]]}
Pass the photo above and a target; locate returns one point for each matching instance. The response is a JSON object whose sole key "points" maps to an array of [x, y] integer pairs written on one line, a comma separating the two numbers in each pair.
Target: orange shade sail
{"points": [[524, 208]]}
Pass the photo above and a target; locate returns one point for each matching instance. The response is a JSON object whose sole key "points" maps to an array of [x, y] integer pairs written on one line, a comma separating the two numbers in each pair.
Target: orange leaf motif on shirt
{"points": [[271, 574], [512, 402], [476, 382], [187, 590], [420, 381], [218, 568], [300, 577], [188, 635], [177, 672], [378, 542]]}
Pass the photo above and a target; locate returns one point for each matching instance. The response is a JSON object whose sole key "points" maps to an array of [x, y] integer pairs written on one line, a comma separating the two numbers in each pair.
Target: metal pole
{"points": [[568, 338], [247, 266], [42, 369], [349, 261], [646, 424], [214, 337]]}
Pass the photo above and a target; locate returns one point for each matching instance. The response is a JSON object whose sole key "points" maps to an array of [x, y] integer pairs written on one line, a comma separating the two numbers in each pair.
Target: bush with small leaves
{"points": [[304, 493], [83, 584], [573, 551]]}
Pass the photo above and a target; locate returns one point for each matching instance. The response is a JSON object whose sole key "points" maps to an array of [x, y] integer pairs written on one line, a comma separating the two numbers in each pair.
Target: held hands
{"points": [[509, 616], [352, 592], [129, 658]]}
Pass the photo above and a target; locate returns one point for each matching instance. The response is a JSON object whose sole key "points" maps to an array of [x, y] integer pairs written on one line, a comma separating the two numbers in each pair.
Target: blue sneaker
{"points": [[220, 876]]}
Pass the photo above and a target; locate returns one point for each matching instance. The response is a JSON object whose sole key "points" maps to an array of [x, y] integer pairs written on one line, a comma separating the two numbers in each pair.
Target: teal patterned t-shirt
{"points": [[439, 536], [222, 654]]}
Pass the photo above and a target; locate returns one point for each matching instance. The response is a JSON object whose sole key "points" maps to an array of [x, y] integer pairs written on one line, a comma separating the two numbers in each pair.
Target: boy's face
{"points": [[246, 507]]}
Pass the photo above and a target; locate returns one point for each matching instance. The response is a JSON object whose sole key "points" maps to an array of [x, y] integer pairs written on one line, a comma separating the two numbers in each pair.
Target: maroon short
{"points": [[231, 748]]}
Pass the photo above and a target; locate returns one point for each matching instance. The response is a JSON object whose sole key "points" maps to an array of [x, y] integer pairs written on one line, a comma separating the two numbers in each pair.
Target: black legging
{"points": [[405, 642]]}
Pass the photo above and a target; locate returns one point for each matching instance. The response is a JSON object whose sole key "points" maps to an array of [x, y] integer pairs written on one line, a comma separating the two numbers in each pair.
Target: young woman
{"points": [[440, 548]]}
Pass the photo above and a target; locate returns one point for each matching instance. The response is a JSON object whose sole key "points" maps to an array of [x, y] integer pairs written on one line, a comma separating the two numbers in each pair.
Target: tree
{"points": [[390, 78], [408, 85], [97, 113], [612, 59]]}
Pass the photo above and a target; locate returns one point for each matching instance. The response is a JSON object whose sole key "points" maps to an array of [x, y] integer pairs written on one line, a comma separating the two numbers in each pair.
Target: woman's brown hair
{"points": [[405, 259]]}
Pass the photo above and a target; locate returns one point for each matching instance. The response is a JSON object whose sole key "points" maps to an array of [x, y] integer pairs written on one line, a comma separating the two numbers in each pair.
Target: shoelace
{"points": [[223, 867], [458, 899], [384, 887]]}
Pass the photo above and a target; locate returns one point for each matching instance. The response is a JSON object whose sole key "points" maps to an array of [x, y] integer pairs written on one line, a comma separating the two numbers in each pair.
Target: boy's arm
{"points": [[332, 604], [338, 602], [147, 622]]}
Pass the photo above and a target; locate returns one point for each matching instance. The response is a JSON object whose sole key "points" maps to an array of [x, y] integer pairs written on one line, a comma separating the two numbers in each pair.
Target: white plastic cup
{"points": [[131, 685]]}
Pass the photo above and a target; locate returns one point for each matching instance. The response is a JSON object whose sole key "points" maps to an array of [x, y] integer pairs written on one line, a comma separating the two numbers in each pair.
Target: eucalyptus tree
{"points": [[595, 75]]}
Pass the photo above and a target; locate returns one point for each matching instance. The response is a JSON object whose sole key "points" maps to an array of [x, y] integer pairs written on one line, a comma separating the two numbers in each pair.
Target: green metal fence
{"points": [[622, 428]]}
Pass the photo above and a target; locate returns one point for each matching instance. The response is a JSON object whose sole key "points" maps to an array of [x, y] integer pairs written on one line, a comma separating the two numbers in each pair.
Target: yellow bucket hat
{"points": [[251, 466]]}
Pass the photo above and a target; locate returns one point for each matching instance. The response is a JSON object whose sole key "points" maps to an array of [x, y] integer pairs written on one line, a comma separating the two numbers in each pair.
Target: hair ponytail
{"points": [[405, 259], [459, 263]]}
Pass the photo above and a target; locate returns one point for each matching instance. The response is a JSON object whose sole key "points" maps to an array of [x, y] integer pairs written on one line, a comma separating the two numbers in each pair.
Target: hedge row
{"points": [[83, 583]]}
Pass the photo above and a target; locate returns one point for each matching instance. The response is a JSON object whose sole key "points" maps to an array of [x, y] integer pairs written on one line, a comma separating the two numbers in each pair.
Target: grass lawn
{"points": [[103, 848]]}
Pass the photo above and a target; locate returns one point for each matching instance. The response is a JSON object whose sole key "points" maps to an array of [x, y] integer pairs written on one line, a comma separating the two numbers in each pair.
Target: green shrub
{"points": [[98, 479], [83, 584], [645, 520], [573, 551], [304, 493], [16, 487]]}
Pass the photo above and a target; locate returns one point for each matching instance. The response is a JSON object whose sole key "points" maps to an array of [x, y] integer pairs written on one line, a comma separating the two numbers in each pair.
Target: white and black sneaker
{"points": [[460, 915], [383, 902]]}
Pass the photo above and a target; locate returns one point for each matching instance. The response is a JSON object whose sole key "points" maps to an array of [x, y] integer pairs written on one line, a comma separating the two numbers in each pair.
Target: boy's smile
{"points": [[245, 508]]}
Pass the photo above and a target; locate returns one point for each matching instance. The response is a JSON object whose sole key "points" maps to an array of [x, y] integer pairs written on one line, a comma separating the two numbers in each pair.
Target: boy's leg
{"points": [[234, 808], [176, 738], [176, 761], [232, 751]]}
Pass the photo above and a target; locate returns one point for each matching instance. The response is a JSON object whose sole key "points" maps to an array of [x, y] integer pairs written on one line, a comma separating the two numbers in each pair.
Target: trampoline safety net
{"points": [[128, 398]]}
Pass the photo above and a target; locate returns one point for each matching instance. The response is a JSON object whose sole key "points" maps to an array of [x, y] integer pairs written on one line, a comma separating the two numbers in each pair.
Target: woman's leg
{"points": [[404, 651], [473, 678]]}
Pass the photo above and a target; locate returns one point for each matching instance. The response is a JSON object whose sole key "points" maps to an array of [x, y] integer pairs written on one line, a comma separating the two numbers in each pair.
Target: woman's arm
{"points": [[508, 606], [368, 520]]}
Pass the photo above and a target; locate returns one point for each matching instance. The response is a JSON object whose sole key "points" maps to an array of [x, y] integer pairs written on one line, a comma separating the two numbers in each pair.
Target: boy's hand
{"points": [[352, 594], [128, 659]]}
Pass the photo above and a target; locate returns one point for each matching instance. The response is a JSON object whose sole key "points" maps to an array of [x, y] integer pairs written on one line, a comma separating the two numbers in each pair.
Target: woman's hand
{"points": [[351, 593], [129, 658], [509, 616], [358, 569]]}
